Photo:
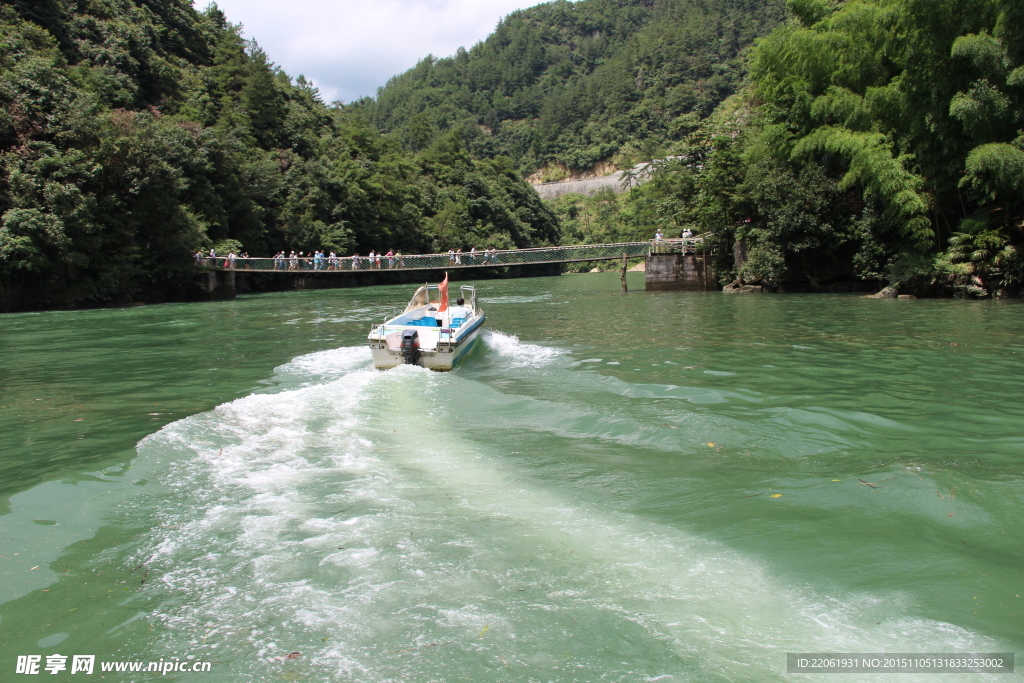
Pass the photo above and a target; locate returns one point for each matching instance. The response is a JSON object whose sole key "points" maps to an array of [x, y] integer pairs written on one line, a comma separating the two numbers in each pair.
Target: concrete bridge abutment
{"points": [[219, 284], [679, 272]]}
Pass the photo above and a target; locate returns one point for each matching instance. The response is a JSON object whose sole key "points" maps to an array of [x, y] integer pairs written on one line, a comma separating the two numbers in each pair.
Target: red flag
{"points": [[443, 288]]}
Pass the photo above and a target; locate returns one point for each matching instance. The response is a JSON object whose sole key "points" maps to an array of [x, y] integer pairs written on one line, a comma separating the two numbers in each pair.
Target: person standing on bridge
{"points": [[355, 261], [391, 258]]}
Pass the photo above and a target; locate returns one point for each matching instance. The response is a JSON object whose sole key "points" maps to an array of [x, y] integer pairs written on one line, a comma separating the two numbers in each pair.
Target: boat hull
{"points": [[445, 358]]}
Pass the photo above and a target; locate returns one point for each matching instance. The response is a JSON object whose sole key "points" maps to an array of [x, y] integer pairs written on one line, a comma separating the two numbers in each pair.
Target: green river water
{"points": [[649, 487]]}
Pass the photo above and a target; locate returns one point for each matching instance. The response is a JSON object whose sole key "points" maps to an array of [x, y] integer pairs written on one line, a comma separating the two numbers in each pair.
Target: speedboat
{"points": [[429, 333]]}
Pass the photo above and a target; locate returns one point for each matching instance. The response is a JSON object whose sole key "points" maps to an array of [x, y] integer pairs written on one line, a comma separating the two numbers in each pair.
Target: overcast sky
{"points": [[349, 49]]}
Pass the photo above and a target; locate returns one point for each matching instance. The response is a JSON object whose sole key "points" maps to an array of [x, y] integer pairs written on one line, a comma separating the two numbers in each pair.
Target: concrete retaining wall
{"points": [[678, 272]]}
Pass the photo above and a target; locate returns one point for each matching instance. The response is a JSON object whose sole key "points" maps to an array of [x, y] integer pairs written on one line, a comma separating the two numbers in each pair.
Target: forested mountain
{"points": [[135, 131], [878, 140], [576, 83]]}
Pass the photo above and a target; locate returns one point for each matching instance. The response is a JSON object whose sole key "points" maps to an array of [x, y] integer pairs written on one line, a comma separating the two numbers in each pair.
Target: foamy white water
{"points": [[516, 354], [379, 525]]}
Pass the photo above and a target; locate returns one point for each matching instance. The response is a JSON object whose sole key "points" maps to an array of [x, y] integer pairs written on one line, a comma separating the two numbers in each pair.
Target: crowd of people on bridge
{"points": [[322, 260], [455, 256]]}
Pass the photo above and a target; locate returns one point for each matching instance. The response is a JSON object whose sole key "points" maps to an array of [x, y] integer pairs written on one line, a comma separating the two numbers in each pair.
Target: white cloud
{"points": [[349, 49]]}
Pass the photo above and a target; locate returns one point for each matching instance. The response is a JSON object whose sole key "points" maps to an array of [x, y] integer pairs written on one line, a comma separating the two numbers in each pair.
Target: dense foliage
{"points": [[576, 83], [135, 131], [878, 140]]}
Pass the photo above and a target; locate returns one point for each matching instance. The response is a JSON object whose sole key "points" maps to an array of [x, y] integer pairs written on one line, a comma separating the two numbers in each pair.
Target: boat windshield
{"points": [[427, 294], [431, 294]]}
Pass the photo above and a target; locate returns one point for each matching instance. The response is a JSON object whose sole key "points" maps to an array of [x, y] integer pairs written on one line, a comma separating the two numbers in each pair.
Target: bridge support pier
{"points": [[678, 272], [218, 284]]}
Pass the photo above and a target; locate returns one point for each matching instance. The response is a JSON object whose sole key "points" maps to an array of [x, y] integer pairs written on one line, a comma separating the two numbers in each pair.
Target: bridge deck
{"points": [[514, 257]]}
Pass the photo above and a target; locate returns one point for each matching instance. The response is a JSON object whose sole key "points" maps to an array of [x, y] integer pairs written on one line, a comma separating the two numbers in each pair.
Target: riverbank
{"points": [[217, 285]]}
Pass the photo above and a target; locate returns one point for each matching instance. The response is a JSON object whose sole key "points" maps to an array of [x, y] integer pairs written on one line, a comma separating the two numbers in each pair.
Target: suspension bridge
{"points": [[669, 264], [310, 265]]}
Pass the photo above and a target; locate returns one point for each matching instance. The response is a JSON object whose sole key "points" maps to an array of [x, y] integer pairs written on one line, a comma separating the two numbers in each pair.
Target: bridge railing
{"points": [[480, 259]]}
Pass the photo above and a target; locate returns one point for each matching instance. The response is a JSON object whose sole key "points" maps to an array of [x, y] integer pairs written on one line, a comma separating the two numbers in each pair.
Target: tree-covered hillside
{"points": [[879, 139], [135, 131], [575, 83]]}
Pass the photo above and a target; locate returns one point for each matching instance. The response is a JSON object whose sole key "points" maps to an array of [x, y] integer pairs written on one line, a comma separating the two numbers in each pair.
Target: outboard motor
{"points": [[411, 347]]}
